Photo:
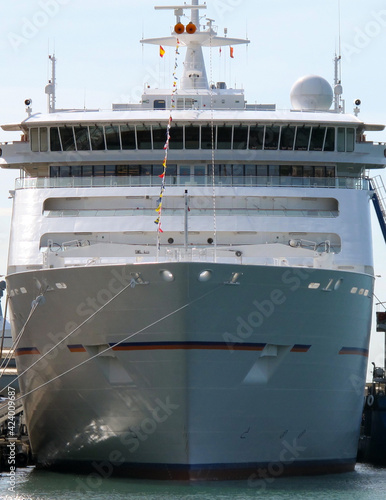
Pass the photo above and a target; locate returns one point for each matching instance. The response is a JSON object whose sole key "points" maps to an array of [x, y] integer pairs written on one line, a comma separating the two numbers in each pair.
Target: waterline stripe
{"points": [[142, 346], [357, 351], [76, 348], [301, 348], [22, 351]]}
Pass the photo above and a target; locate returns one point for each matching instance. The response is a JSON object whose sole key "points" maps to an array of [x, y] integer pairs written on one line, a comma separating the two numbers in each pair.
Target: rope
{"points": [[166, 148], [69, 335], [213, 149], [108, 348], [7, 359]]}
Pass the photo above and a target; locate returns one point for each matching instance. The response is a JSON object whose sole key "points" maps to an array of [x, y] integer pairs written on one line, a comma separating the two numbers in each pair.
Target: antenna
{"points": [[51, 87], [338, 89]]}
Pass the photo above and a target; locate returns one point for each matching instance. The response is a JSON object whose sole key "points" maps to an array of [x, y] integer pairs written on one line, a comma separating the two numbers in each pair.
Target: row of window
{"points": [[190, 137], [221, 170]]}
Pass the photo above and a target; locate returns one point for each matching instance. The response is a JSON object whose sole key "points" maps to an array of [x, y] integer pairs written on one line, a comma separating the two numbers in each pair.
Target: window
{"points": [[329, 144], [250, 170], [122, 170], [97, 139], [67, 137], [128, 137], [224, 137], [110, 170], [82, 138], [43, 139], [144, 137], [192, 137], [159, 137], [34, 138], [54, 139], [76, 171], [341, 139], [272, 135], [302, 138], [159, 104], [350, 140], [317, 138], [176, 138], [87, 171], [256, 137], [287, 138], [206, 137], [112, 138], [238, 170], [240, 137]]}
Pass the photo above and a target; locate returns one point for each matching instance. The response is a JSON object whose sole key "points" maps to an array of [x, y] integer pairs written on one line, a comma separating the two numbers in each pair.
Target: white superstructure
{"points": [[207, 338]]}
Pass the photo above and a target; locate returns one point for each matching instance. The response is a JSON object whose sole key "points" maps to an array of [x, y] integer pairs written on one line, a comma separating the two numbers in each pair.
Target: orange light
{"points": [[179, 28], [191, 28]]}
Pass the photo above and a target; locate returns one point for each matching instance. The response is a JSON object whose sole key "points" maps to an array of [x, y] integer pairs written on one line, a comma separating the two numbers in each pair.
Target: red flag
{"points": [[161, 51], [232, 56]]}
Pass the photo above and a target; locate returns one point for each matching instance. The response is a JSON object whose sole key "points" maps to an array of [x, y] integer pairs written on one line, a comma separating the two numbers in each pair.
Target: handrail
{"points": [[150, 181]]}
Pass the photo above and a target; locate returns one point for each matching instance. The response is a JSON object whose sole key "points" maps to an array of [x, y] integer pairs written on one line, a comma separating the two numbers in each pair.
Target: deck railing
{"points": [[137, 181]]}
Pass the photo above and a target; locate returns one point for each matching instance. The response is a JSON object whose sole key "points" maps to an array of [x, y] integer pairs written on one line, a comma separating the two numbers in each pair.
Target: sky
{"points": [[100, 62]]}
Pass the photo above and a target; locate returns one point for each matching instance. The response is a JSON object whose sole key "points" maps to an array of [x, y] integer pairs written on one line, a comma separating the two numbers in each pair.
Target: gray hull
{"points": [[184, 375]]}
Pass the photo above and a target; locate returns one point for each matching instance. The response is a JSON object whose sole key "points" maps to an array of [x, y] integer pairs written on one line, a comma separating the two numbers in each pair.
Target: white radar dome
{"points": [[311, 93]]}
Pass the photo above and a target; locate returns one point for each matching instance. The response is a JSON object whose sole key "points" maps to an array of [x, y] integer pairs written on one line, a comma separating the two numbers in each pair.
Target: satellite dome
{"points": [[311, 93]]}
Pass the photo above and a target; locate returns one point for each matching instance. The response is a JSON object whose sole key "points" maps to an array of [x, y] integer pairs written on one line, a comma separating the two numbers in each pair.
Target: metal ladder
{"points": [[379, 200]]}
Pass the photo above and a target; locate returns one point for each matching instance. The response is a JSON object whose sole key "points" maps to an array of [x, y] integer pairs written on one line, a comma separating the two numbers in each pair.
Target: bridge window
{"points": [[287, 138], [224, 137], [317, 138], [240, 137], [329, 144], [206, 137], [54, 139], [302, 138], [176, 138], [159, 137], [256, 137], [82, 138], [192, 137], [272, 135], [97, 138], [144, 137], [112, 138], [67, 138]]}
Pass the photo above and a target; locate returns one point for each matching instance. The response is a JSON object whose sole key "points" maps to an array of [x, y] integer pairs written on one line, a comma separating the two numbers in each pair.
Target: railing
{"points": [[134, 181], [222, 212]]}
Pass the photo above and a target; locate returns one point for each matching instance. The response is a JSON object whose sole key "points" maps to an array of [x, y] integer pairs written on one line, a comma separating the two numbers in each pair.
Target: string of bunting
{"points": [[167, 143]]}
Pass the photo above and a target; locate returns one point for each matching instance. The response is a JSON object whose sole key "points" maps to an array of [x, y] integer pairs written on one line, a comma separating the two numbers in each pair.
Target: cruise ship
{"points": [[190, 278]]}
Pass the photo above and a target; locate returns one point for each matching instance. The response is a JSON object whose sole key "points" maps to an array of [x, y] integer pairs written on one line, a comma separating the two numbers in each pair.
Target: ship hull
{"points": [[190, 371]]}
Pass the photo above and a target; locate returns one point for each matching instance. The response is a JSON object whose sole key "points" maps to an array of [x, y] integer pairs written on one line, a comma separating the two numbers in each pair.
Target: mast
{"points": [[194, 39], [51, 87]]}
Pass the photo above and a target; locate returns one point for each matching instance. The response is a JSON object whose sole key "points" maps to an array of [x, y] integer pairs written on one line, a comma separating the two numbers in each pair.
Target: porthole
{"points": [[314, 286], [170, 241], [354, 290]]}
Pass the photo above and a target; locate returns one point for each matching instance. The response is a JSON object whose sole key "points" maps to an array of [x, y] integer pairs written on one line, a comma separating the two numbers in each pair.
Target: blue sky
{"points": [[100, 61]]}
